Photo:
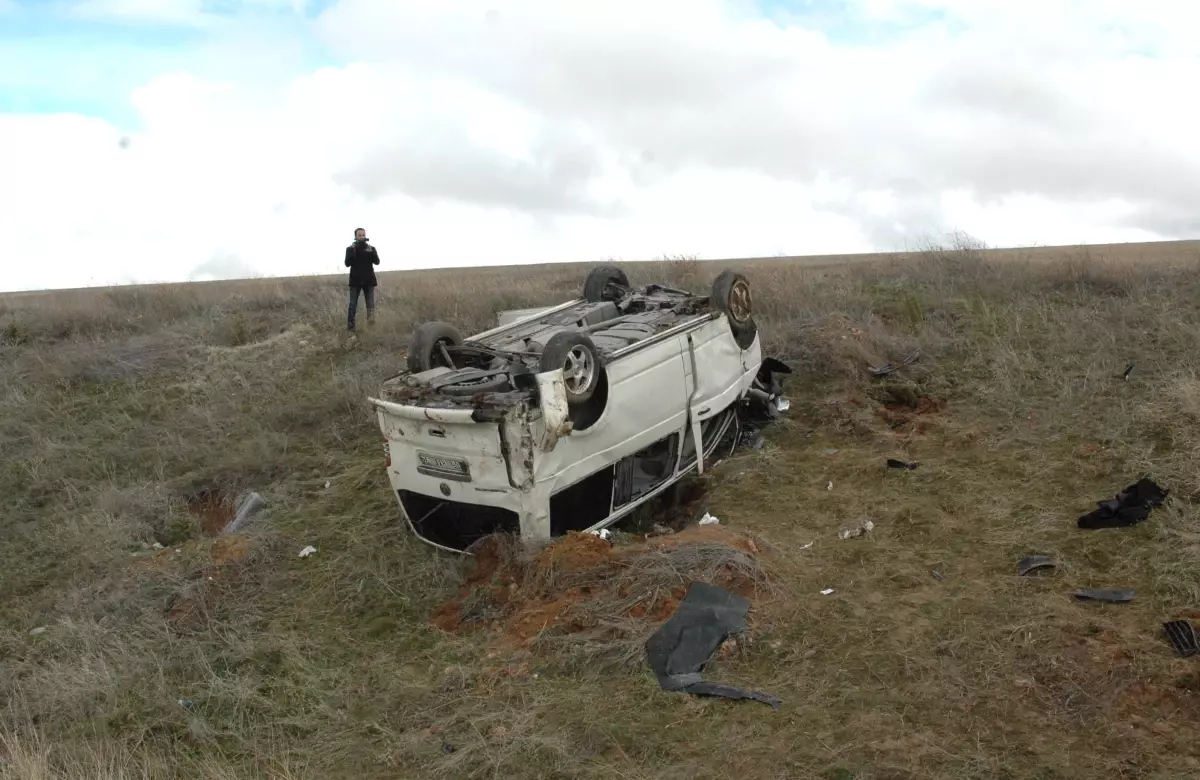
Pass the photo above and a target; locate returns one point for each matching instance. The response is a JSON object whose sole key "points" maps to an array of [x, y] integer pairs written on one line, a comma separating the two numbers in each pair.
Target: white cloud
{"points": [[184, 13], [476, 132], [180, 12]]}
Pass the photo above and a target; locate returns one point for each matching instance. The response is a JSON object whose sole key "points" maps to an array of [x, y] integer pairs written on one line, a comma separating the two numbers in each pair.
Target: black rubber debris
{"points": [[1128, 371], [683, 646], [1035, 562], [899, 464], [1111, 595], [1130, 507], [1183, 637]]}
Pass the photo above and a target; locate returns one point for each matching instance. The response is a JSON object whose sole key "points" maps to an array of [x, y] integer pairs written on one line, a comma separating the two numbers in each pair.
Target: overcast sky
{"points": [[164, 140]]}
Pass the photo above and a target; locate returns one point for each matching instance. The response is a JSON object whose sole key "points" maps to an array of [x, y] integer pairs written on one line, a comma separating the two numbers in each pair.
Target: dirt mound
{"points": [[574, 552], [582, 584]]}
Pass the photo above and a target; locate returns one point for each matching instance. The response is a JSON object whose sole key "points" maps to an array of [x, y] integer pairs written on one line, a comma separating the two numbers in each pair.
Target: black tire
{"points": [[571, 350], [423, 351], [596, 286], [731, 296]]}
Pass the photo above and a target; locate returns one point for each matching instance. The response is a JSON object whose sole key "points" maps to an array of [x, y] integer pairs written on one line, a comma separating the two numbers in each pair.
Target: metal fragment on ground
{"points": [[250, 506], [1110, 595], [1182, 635], [1035, 562], [892, 463]]}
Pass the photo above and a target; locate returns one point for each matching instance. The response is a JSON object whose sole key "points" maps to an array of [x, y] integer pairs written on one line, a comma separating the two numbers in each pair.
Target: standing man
{"points": [[361, 259]]}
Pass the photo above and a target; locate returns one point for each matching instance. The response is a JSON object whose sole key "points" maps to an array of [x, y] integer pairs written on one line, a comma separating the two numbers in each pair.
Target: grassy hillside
{"points": [[130, 416]]}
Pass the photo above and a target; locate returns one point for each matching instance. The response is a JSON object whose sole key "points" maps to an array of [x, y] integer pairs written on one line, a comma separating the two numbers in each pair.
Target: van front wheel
{"points": [[575, 353]]}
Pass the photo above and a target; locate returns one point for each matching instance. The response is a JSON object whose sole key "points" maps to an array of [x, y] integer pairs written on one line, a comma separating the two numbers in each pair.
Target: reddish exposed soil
{"points": [[561, 588], [905, 414], [224, 553], [214, 510]]}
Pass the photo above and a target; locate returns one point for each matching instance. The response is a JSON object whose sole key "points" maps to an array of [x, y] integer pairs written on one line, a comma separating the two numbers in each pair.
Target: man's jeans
{"points": [[369, 294]]}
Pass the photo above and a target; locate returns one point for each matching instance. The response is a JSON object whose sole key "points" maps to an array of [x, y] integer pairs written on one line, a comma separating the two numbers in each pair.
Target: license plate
{"points": [[443, 467]]}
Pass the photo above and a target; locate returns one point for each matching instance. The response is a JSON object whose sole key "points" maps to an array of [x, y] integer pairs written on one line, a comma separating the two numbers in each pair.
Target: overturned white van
{"points": [[570, 417]]}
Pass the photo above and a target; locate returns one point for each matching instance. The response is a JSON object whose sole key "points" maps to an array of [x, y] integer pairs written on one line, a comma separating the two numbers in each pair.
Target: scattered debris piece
{"points": [[187, 704], [892, 463], [937, 575], [1130, 507], [680, 649], [38, 631], [247, 509], [603, 533], [830, 485], [709, 520], [447, 748], [1111, 595], [1128, 371], [328, 484], [307, 551], [805, 547], [765, 402], [827, 592], [1035, 562], [888, 368], [1183, 637], [864, 527], [830, 452]]}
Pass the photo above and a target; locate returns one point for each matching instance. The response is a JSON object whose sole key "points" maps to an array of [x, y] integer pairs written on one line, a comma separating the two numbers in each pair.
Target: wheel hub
{"points": [[578, 370], [739, 301]]}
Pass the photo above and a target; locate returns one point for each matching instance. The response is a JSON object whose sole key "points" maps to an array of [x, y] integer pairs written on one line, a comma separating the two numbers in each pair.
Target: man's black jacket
{"points": [[361, 259]]}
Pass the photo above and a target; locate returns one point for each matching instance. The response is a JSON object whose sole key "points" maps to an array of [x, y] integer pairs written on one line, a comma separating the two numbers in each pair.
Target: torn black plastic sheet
{"points": [[1130, 507], [683, 646]]}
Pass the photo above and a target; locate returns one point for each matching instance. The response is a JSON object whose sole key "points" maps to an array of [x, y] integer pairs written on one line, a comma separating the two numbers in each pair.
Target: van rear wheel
{"points": [[425, 350], [731, 295]]}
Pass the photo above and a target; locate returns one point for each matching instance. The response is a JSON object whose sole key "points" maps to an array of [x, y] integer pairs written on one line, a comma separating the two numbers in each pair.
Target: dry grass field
{"points": [[127, 416]]}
